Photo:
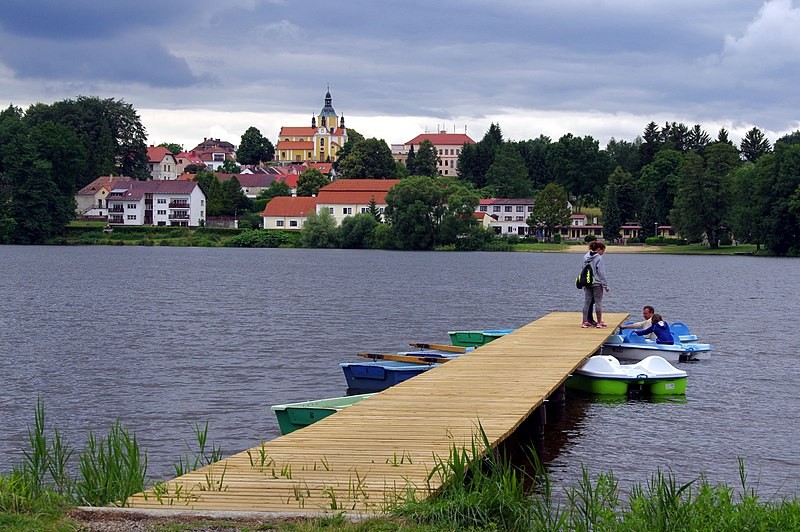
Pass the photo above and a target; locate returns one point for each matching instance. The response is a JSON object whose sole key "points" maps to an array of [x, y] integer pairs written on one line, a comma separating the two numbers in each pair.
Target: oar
{"points": [[404, 358], [440, 347]]}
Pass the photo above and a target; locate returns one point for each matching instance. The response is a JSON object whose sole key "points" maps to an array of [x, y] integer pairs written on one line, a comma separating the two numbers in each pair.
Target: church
{"points": [[319, 143]]}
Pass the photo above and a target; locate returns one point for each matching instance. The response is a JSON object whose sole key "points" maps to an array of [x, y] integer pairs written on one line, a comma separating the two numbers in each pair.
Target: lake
{"points": [[164, 338]]}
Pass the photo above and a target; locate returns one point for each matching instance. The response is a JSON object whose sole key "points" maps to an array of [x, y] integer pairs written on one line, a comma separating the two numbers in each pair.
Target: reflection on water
{"points": [[162, 338]]}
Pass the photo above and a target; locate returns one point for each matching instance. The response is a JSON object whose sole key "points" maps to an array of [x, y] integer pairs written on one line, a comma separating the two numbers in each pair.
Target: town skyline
{"points": [[196, 70]]}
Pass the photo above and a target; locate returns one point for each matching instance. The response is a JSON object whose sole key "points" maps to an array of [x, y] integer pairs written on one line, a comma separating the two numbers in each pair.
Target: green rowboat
{"points": [[294, 416]]}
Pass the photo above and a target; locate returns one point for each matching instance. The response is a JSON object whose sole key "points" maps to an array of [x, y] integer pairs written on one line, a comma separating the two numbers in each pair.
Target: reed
{"points": [[204, 455]]}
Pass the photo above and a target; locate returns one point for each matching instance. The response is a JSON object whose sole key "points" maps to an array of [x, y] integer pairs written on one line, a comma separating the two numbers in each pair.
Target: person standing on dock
{"points": [[595, 292]]}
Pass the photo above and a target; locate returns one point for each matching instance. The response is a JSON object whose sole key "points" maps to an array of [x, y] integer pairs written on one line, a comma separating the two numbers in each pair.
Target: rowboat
{"points": [[294, 416], [381, 374], [476, 338], [604, 375], [635, 348]]}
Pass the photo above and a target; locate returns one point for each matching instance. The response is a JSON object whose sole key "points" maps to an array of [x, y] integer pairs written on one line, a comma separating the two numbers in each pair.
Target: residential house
{"points": [[91, 200], [214, 152], [509, 215], [284, 212], [348, 197], [448, 148], [185, 159], [157, 203], [318, 143], [162, 163], [580, 228]]}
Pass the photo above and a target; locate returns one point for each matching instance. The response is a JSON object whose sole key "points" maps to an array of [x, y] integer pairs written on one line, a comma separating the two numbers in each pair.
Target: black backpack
{"points": [[586, 277]]}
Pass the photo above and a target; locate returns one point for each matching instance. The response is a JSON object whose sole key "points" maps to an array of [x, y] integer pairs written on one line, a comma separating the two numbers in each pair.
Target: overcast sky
{"points": [[606, 68]]}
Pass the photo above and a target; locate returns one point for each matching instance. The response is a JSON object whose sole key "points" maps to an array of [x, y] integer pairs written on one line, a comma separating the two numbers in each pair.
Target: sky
{"points": [[605, 68]]}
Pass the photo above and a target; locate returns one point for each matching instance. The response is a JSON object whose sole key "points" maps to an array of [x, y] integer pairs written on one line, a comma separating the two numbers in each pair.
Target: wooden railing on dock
{"points": [[368, 454]]}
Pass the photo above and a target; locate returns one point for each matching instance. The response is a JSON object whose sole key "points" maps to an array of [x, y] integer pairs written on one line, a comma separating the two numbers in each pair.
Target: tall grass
{"points": [[111, 469], [482, 489]]}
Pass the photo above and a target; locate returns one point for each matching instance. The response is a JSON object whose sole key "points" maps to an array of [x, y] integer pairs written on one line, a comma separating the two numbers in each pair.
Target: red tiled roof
{"points": [[104, 181], [506, 201], [295, 145], [290, 206], [325, 168], [288, 131], [289, 179], [360, 185], [156, 154], [351, 198], [442, 139]]}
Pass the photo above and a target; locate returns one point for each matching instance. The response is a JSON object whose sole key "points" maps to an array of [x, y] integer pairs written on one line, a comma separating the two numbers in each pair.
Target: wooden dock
{"points": [[365, 456]]}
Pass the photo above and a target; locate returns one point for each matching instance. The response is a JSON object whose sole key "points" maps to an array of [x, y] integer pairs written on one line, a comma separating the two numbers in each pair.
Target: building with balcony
{"points": [[164, 203]]}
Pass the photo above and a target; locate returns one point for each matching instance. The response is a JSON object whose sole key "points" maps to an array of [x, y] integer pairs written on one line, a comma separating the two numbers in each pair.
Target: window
{"points": [[530, 208], [279, 223], [508, 208], [292, 223], [162, 200], [510, 229], [363, 210], [347, 210], [161, 213], [322, 141], [330, 210], [519, 218], [283, 155], [508, 218], [496, 208], [131, 205], [202, 202], [482, 208], [131, 217], [520, 208]]}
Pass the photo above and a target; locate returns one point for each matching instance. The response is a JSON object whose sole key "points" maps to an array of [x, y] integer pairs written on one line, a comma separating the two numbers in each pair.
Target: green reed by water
{"points": [[481, 490]]}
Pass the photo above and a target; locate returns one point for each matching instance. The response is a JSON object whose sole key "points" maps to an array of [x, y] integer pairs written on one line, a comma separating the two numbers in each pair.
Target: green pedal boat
{"points": [[294, 416], [604, 375]]}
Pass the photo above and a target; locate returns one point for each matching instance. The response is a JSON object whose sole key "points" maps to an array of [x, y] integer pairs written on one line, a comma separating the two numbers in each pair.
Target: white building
{"points": [[509, 215], [157, 203], [162, 164]]}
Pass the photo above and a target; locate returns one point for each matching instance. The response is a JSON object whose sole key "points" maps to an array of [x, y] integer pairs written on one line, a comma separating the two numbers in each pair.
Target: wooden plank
{"points": [[367, 454]]}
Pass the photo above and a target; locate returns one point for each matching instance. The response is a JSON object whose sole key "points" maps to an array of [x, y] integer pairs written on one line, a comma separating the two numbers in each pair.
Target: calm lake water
{"points": [[163, 338]]}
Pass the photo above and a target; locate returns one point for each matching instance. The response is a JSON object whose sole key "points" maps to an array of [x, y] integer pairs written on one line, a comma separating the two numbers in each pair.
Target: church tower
{"points": [[327, 116]]}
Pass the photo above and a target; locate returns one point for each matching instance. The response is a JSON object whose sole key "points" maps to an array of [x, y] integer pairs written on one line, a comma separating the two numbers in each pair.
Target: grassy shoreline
{"points": [[482, 489], [92, 233]]}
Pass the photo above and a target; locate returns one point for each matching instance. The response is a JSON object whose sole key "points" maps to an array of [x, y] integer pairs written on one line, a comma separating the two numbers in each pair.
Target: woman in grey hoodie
{"points": [[595, 292]]}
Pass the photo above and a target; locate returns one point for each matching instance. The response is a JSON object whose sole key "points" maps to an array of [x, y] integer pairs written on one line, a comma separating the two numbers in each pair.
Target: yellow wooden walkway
{"points": [[363, 456]]}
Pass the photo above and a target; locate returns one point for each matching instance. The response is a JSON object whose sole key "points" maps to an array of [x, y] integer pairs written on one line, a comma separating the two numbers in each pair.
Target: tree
{"points": [[110, 131], [425, 212], [619, 202], [320, 231], [357, 232], [310, 181], [426, 161], [651, 145], [657, 184], [212, 188], [580, 167], [625, 155], [38, 208], [754, 145], [410, 161], [275, 189], [173, 147], [508, 174], [476, 159], [353, 138], [194, 168], [230, 167], [234, 200], [534, 153], [698, 139], [369, 159], [254, 148], [373, 210], [550, 211], [703, 199]]}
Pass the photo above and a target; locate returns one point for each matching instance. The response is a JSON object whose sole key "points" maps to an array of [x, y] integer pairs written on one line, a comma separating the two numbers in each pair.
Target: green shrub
{"points": [[589, 238]]}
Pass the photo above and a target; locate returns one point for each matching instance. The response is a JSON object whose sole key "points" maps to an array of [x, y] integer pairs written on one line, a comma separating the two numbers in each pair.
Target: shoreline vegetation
{"points": [[481, 490], [95, 233]]}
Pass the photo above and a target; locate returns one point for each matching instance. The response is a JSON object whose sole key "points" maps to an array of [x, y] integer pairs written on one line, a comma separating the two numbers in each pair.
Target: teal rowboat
{"points": [[604, 375], [294, 416], [476, 338]]}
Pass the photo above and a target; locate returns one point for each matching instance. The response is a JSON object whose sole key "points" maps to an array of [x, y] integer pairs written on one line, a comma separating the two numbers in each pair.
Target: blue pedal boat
{"points": [[629, 346], [380, 374]]}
